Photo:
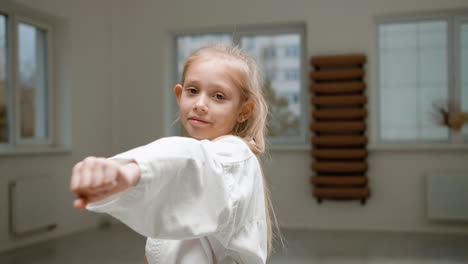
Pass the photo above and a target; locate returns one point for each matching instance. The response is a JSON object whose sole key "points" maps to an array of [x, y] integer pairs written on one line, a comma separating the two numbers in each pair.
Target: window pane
{"points": [[464, 69], [413, 75], [32, 59], [280, 58], [3, 88], [186, 44]]}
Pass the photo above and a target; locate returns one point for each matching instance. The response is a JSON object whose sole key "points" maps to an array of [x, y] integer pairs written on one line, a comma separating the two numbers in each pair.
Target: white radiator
{"points": [[447, 196], [32, 205]]}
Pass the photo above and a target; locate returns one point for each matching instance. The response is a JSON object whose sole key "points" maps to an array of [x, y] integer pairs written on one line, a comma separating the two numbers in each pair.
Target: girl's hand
{"points": [[94, 179]]}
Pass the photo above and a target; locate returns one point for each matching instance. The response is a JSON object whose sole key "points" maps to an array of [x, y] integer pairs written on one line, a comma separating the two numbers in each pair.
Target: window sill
{"points": [[302, 147], [381, 147], [32, 150], [416, 147]]}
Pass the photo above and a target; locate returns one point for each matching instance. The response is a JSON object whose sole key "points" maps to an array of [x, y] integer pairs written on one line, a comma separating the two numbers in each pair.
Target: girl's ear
{"points": [[246, 110], [178, 92]]}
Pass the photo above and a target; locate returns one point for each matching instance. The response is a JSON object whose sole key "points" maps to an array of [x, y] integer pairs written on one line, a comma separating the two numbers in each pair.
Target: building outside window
{"points": [[291, 51]]}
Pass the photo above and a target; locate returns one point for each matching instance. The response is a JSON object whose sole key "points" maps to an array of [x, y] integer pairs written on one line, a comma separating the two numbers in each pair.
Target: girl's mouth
{"points": [[197, 121]]}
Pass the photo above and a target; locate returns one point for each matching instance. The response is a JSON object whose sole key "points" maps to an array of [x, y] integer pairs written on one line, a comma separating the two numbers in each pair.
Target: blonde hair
{"points": [[252, 130]]}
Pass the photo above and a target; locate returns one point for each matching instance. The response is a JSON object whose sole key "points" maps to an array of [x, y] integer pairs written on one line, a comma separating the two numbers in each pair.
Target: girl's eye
{"points": [[219, 96], [192, 90]]}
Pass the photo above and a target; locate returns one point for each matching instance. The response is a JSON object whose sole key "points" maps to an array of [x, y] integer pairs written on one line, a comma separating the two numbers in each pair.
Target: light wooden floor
{"points": [[119, 245]]}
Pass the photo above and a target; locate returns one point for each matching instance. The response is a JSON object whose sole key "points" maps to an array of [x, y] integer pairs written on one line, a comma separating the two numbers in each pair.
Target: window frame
{"points": [[16, 144], [458, 20], [286, 142], [453, 74]]}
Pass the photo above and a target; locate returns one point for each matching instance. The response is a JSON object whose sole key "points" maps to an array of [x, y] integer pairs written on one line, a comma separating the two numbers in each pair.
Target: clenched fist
{"points": [[94, 179]]}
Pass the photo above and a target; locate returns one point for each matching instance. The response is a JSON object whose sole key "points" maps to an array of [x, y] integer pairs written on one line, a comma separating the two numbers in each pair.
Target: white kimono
{"points": [[196, 201]]}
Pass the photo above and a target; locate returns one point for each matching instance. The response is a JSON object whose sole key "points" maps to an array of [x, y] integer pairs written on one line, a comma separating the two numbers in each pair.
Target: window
{"points": [[462, 28], [32, 82], [25, 86], [416, 60], [4, 128], [280, 54]]}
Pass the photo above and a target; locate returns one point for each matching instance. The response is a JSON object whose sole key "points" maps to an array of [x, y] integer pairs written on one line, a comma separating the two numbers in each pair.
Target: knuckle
{"points": [[103, 162], [96, 184], [89, 159], [108, 170], [77, 166]]}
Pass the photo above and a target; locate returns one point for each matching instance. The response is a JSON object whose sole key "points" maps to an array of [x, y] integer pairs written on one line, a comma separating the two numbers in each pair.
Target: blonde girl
{"points": [[200, 199]]}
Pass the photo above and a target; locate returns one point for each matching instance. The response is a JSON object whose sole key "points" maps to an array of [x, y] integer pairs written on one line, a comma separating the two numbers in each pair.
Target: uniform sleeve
{"points": [[183, 191]]}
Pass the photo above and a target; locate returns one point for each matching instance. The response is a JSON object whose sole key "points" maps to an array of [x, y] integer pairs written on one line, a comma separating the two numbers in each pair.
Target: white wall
{"points": [[120, 80], [333, 26], [84, 78]]}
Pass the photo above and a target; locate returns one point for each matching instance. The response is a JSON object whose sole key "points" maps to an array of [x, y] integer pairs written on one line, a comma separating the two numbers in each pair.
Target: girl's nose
{"points": [[201, 104]]}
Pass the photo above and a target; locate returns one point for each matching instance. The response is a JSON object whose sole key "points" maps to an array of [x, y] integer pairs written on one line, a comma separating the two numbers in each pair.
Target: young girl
{"points": [[201, 199]]}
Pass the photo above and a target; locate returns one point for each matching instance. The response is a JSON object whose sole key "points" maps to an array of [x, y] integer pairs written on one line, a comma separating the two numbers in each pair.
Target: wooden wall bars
{"points": [[338, 126]]}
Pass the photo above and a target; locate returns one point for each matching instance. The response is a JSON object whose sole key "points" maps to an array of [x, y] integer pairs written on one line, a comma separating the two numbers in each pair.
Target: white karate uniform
{"points": [[196, 201]]}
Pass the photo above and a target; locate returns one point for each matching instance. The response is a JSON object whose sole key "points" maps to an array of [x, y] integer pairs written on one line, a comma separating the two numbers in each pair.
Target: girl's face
{"points": [[210, 104]]}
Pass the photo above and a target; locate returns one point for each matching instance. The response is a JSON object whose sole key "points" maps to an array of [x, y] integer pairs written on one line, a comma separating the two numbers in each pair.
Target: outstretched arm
{"points": [[94, 179], [184, 190]]}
